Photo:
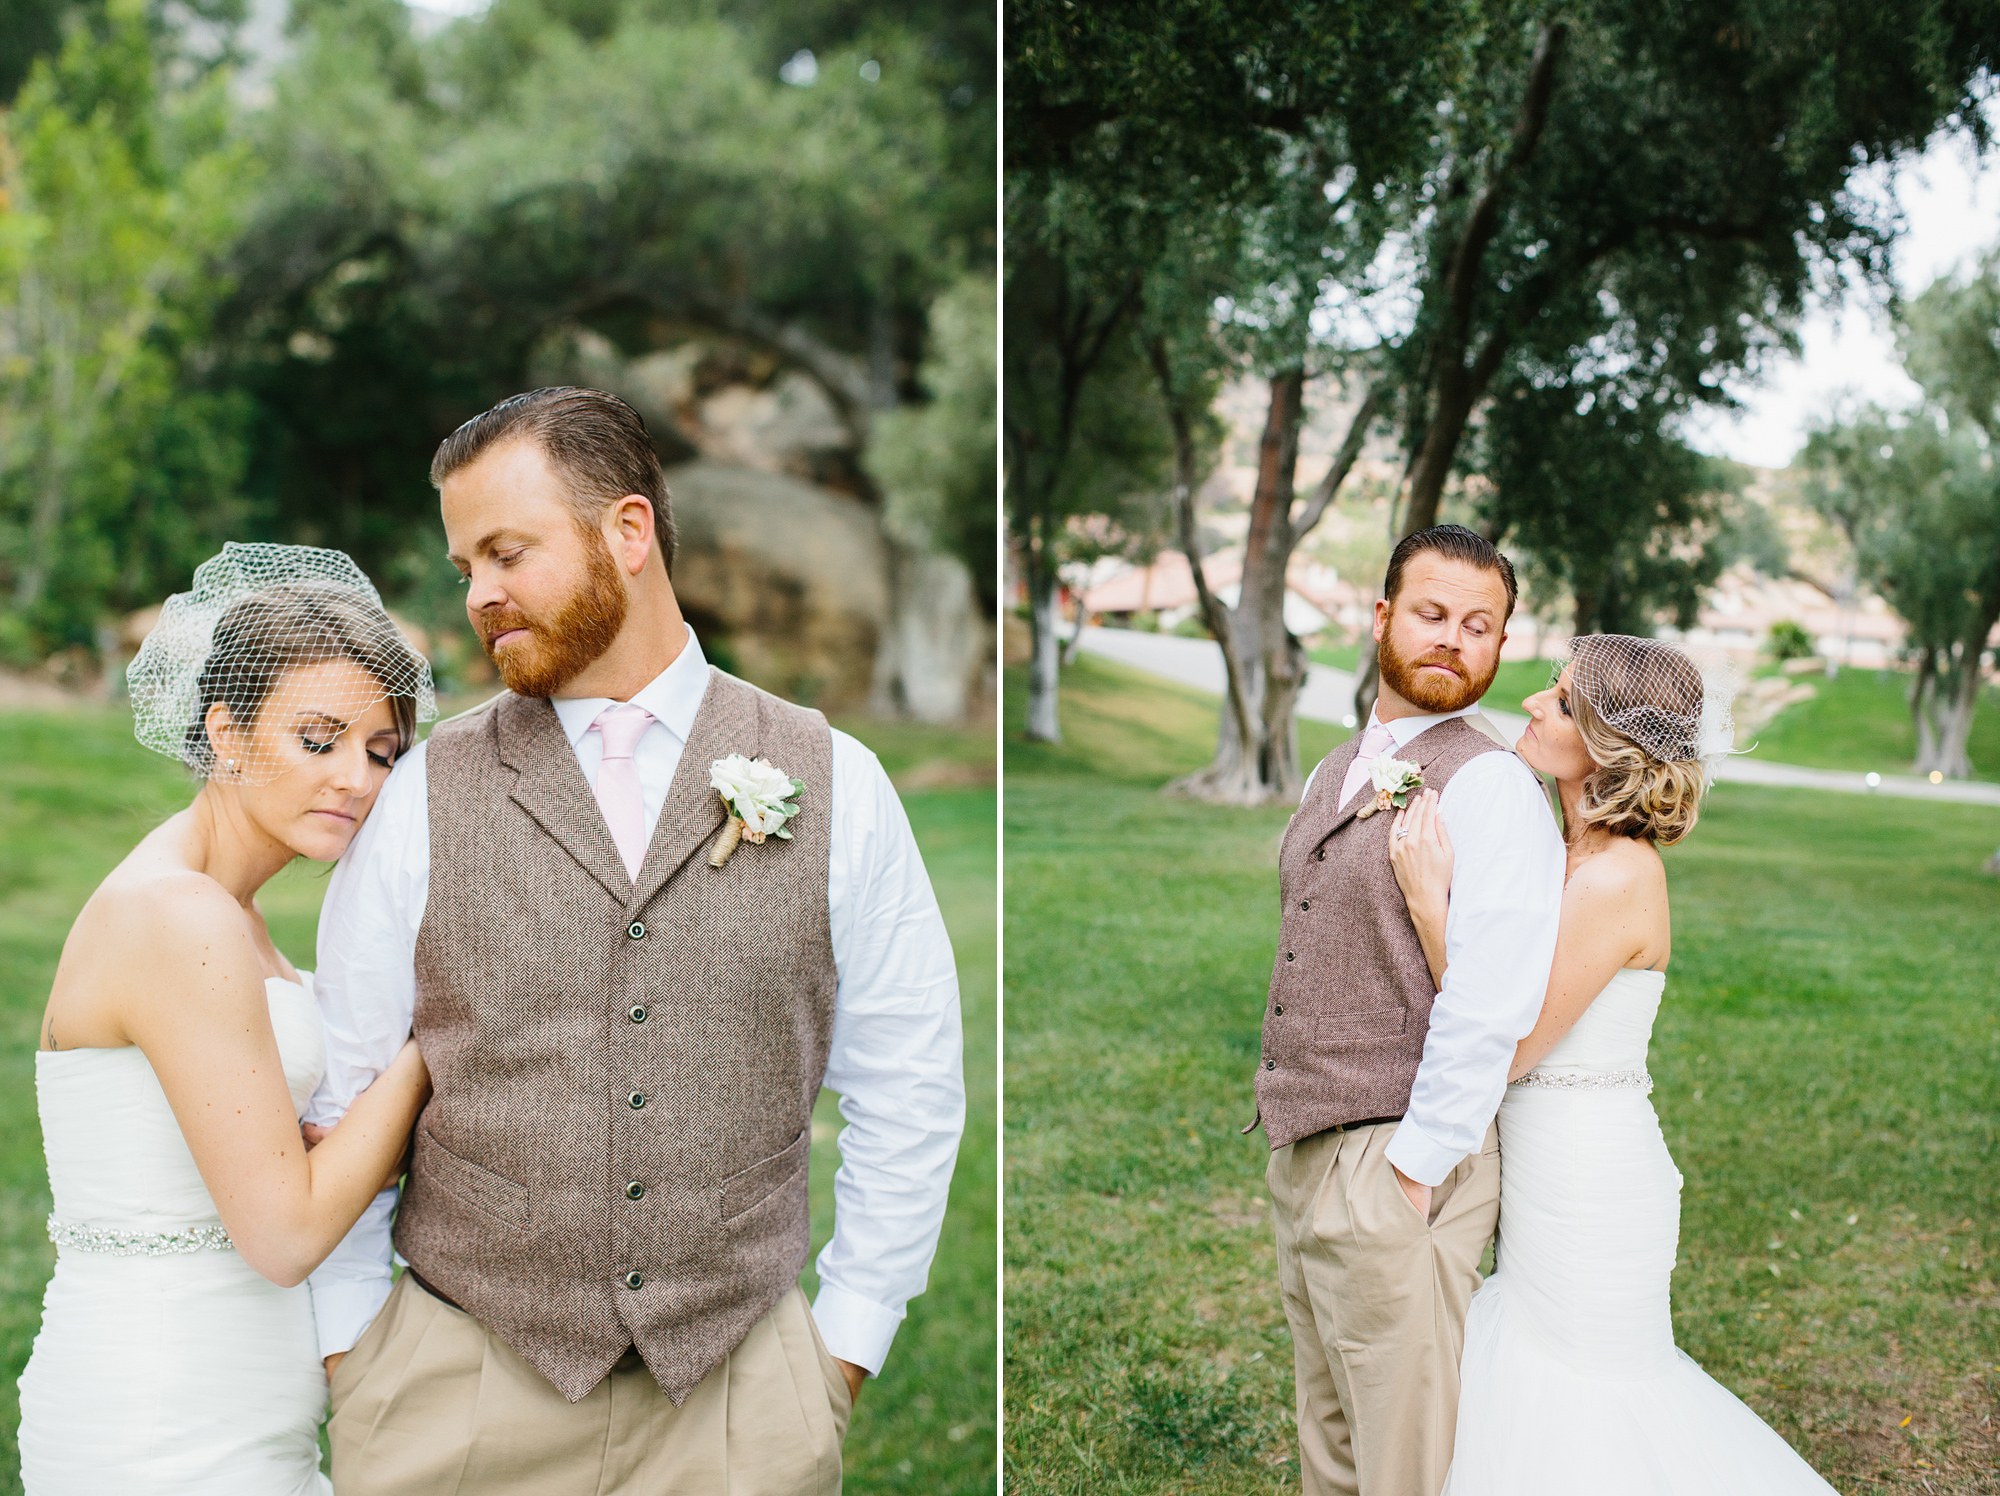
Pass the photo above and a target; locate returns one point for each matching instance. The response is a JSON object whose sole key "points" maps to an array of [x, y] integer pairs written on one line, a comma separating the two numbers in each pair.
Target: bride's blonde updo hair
{"points": [[1637, 703]]}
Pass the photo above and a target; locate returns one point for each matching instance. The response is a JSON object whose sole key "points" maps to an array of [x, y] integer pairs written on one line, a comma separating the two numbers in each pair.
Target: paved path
{"points": [[1328, 696]]}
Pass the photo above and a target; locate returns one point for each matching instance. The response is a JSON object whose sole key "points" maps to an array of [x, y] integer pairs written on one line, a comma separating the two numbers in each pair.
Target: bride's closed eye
{"points": [[315, 745]]}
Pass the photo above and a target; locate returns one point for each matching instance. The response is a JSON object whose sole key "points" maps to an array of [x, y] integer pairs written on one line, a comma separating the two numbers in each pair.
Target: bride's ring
{"points": [[1399, 833]]}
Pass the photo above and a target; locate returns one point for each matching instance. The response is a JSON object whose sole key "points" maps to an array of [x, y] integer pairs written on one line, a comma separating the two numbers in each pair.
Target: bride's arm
{"points": [[1610, 907], [202, 1019]]}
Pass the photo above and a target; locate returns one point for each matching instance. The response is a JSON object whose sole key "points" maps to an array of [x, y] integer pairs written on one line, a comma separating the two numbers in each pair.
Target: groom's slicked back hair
{"points": [[1456, 543], [596, 442]]}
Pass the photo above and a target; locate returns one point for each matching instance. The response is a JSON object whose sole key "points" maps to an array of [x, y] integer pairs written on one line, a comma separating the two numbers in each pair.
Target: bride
{"points": [[177, 1351], [1571, 1380]]}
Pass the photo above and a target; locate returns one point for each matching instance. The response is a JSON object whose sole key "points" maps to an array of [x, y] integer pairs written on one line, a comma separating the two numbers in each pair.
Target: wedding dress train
{"points": [[1571, 1383], [166, 1365]]}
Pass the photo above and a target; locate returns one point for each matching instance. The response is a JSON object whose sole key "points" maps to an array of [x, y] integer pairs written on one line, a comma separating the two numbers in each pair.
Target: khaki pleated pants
{"points": [[431, 1403], [1376, 1297]]}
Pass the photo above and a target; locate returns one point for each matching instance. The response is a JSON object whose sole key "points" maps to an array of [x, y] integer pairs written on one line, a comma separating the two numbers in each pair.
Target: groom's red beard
{"points": [[1433, 691], [559, 648]]}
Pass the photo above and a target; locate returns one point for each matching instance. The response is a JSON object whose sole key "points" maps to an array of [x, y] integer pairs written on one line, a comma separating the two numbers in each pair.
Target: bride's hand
{"points": [[1420, 854]]}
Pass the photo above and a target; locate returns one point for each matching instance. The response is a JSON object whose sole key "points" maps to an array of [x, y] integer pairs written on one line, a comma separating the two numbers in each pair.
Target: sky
{"points": [[1950, 200]]}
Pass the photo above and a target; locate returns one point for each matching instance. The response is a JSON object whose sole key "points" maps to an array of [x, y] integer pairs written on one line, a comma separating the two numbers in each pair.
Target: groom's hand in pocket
{"points": [[855, 1375], [1418, 1195]]}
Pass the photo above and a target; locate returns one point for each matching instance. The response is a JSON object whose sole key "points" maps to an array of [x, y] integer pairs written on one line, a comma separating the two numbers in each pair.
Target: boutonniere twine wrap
{"points": [[1395, 780], [760, 797]]}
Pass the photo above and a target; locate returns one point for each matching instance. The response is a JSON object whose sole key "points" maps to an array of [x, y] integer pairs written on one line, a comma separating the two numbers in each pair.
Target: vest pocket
{"points": [[1347, 1028], [466, 1181], [753, 1185]]}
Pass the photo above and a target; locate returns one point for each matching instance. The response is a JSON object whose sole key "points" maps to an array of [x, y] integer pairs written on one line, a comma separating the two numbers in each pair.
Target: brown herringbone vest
{"points": [[615, 1152], [1350, 991]]}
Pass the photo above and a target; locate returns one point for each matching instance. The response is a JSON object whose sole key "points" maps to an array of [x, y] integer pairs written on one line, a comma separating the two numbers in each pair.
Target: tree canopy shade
{"points": [[1590, 216], [390, 240]]}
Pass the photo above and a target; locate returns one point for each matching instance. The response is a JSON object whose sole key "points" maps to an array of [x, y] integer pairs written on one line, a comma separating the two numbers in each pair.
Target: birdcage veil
{"points": [[256, 614], [1655, 694]]}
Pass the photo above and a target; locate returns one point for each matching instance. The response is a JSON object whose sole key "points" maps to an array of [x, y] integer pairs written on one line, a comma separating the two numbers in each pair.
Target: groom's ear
{"points": [[628, 527]]}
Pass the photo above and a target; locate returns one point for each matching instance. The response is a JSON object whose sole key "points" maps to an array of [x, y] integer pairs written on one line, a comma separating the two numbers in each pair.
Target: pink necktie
{"points": [[618, 794], [1374, 742]]}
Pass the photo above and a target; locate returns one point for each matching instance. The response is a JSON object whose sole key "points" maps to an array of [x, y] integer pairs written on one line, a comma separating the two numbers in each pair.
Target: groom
{"points": [[605, 1215], [1377, 1091]]}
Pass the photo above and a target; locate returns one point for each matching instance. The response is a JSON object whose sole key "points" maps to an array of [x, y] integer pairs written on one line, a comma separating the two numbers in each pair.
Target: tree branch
{"points": [[1462, 283], [1343, 462]]}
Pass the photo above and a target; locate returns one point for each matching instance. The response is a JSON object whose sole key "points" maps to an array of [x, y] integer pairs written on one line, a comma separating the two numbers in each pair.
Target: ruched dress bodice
{"points": [[1612, 1036], [165, 1363], [1571, 1384]]}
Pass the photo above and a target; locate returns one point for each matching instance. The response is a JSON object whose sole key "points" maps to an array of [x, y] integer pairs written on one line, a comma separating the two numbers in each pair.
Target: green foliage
{"points": [[1603, 212], [117, 469], [937, 462], [1827, 1087], [1604, 502], [283, 348], [1788, 640]]}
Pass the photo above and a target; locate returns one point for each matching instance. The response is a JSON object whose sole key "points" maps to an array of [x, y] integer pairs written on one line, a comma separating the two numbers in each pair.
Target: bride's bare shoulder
{"points": [[1624, 868], [152, 916]]}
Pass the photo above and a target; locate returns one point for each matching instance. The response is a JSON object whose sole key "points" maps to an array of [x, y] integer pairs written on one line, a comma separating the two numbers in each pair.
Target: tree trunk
{"points": [[1235, 711], [1956, 708], [1074, 644], [1244, 761], [1256, 749], [1460, 376], [1922, 691], [1044, 666]]}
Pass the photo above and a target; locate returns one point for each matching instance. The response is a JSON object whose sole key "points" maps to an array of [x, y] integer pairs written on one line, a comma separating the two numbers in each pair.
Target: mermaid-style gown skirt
{"points": [[1571, 1384]]}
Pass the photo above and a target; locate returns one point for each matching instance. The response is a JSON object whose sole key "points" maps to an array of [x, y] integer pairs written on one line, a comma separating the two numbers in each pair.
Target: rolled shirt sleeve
{"points": [[896, 1061], [1500, 938]]}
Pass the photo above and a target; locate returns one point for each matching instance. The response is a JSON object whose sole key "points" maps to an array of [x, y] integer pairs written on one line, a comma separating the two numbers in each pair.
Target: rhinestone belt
{"points": [[1590, 1080], [118, 1243]]}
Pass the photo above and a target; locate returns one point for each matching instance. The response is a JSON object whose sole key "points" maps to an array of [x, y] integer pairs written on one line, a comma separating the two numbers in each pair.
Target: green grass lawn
{"points": [[76, 792], [1826, 1067]]}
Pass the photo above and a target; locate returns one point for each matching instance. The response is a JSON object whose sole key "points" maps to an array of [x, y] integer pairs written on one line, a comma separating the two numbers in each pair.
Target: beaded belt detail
{"points": [[1597, 1080], [118, 1243]]}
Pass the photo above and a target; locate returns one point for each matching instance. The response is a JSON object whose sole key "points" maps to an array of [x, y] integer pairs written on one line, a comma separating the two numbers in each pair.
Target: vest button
{"points": [[1288, 955], [1270, 1064], [636, 930], [637, 1013], [1277, 1008], [635, 1190], [1320, 855], [1305, 904], [636, 1100], [635, 1280]]}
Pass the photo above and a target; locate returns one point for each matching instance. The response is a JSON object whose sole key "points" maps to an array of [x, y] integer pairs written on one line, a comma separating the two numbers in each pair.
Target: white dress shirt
{"points": [[896, 1048], [1499, 940]]}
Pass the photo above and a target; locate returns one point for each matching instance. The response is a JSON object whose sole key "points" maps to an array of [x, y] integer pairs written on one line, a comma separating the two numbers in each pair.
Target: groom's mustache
{"points": [[492, 625], [1444, 659]]}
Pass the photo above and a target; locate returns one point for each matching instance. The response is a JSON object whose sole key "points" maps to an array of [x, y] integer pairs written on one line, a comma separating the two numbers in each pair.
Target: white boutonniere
{"points": [[1395, 780], [760, 797]]}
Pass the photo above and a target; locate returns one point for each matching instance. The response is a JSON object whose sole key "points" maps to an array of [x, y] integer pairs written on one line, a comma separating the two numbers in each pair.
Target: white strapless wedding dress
{"points": [[166, 1365], [1571, 1383]]}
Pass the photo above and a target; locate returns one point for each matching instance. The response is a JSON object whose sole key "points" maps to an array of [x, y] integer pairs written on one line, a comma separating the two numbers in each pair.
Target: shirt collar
{"points": [[1405, 728], [673, 697]]}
